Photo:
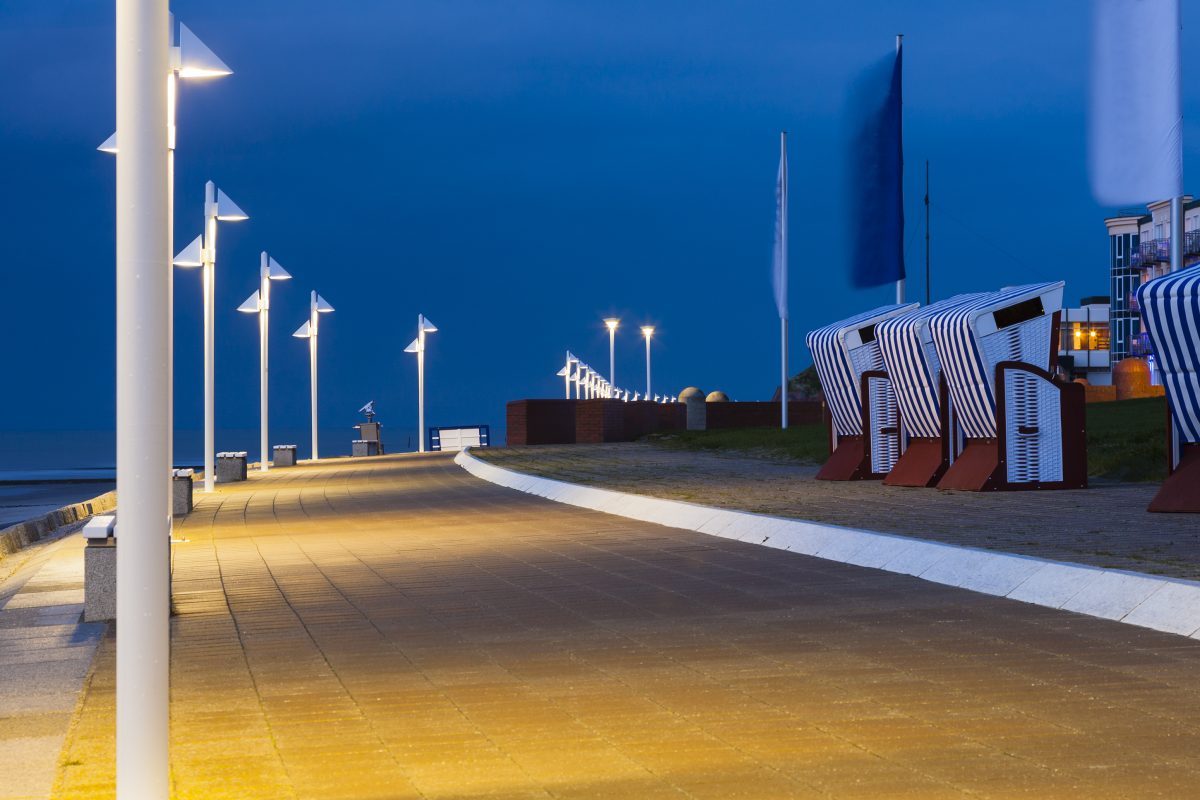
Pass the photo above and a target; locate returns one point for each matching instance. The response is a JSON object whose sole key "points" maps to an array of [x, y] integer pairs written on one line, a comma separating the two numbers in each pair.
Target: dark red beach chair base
{"points": [[1180, 492], [921, 465]]}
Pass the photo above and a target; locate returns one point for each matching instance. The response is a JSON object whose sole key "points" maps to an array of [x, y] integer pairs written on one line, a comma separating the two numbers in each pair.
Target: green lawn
{"points": [[1126, 440]]}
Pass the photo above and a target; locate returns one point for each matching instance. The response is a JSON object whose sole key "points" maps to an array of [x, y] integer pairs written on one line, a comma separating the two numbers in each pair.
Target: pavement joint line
{"points": [[1171, 605]]}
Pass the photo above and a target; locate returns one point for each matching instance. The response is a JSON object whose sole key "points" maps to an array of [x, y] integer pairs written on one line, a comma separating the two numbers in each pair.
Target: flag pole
{"points": [[900, 283], [928, 289], [1176, 233], [783, 322]]}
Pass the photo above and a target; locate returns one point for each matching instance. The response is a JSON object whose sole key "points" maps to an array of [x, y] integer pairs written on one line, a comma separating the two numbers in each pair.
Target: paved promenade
{"points": [[393, 628], [1105, 526]]}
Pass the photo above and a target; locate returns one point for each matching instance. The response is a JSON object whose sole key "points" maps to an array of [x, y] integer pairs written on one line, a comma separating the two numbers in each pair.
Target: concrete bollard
{"points": [[181, 492], [697, 414], [231, 467], [284, 455], [364, 447], [100, 569]]}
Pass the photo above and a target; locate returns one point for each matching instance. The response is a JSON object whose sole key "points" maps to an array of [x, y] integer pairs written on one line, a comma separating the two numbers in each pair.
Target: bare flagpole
{"points": [[783, 321], [900, 283]]}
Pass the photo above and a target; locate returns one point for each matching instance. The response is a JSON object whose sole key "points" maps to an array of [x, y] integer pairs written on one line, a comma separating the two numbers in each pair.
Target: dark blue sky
{"points": [[517, 171]]}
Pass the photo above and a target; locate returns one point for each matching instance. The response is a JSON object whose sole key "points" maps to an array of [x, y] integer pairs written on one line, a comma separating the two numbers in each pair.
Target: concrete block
{"points": [[231, 467], [364, 447], [697, 414], [283, 455], [181, 492], [917, 559], [100, 580], [981, 571]]}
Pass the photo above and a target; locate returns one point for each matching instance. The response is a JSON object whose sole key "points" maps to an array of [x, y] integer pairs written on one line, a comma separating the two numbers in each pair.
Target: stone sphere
{"points": [[717, 397], [1131, 376], [1081, 381], [689, 393]]}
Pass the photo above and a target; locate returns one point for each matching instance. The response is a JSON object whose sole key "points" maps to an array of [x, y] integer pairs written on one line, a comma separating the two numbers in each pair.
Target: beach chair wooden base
{"points": [[1180, 492], [922, 465], [847, 463], [975, 468]]}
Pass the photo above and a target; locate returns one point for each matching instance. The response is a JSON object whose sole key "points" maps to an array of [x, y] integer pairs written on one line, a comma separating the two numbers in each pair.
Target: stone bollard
{"points": [[364, 447], [231, 467], [284, 455], [181, 492], [697, 414], [100, 569]]}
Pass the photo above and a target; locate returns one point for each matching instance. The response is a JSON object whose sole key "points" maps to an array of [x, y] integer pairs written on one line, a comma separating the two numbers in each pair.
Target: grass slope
{"points": [[1126, 441]]}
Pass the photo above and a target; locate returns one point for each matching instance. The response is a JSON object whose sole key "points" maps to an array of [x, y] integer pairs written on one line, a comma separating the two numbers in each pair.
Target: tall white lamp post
{"points": [[565, 372], [316, 307], [611, 323], [647, 331], [417, 346], [203, 252], [260, 303], [188, 58], [143, 397]]}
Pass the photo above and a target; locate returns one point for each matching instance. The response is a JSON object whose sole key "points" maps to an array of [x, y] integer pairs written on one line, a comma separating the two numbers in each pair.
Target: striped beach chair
{"points": [[911, 362], [1170, 308], [849, 366], [1011, 424]]}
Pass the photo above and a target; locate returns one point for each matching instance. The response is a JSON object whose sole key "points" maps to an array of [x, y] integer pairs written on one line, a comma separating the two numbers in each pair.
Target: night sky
{"points": [[516, 172]]}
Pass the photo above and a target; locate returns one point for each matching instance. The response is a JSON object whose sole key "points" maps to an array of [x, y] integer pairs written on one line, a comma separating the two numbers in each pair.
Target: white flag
{"points": [[779, 274], [1136, 114]]}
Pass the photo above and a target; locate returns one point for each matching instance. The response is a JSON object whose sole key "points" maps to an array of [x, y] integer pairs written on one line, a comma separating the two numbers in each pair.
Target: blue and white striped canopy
{"points": [[842, 352], [912, 364], [1171, 311], [972, 338]]}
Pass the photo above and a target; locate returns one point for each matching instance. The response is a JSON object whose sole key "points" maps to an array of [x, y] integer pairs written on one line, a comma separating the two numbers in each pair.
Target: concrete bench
{"points": [[231, 467], [100, 569], [181, 492], [284, 455]]}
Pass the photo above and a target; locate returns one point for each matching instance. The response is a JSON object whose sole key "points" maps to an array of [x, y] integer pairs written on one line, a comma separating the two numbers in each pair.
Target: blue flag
{"points": [[875, 195]]}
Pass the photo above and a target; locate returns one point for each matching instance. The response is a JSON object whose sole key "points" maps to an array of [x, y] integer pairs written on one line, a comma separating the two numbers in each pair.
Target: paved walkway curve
{"points": [[393, 627]]}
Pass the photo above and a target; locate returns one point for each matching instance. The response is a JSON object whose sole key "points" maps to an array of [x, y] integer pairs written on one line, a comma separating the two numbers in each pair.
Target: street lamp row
{"points": [[588, 383]]}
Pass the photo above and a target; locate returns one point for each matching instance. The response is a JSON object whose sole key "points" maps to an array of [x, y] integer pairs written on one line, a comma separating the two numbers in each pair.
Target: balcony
{"points": [[1153, 251], [1191, 243], [1139, 345]]}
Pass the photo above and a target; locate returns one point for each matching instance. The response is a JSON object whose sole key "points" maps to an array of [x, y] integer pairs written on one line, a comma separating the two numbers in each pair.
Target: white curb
{"points": [[1149, 601]]}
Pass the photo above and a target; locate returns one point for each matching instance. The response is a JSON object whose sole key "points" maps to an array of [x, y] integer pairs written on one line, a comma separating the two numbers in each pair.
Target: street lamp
{"points": [[417, 346], [189, 58], [647, 331], [565, 373], [316, 307], [260, 303], [611, 323], [202, 252]]}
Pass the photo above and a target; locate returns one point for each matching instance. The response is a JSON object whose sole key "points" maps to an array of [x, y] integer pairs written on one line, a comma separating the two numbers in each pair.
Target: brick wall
{"points": [[541, 422], [600, 421]]}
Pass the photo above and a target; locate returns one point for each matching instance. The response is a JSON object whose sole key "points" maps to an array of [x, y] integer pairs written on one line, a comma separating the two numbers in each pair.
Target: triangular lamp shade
{"points": [[323, 306], [110, 145], [190, 255], [252, 304], [227, 210], [276, 272], [412, 346], [195, 59], [562, 373], [571, 357], [302, 331], [427, 326]]}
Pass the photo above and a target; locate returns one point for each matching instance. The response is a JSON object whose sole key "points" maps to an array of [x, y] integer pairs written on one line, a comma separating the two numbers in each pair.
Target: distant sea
{"points": [[44, 470]]}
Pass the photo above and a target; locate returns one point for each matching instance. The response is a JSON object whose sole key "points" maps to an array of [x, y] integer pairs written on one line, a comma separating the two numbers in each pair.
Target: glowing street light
{"points": [[647, 331], [188, 58], [316, 307], [260, 303], [417, 346], [565, 373], [202, 252], [611, 323]]}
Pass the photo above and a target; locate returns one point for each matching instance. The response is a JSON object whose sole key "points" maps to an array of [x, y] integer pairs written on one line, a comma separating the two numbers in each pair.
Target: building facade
{"points": [[1084, 341], [1139, 250]]}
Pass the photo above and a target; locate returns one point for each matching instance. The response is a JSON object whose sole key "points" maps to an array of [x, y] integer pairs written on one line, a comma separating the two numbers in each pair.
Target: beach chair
{"points": [[864, 438], [1170, 308], [1011, 425], [911, 363]]}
